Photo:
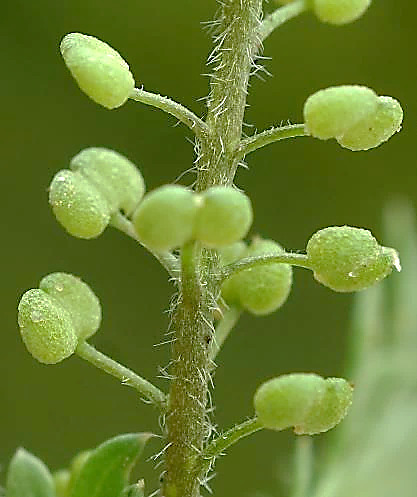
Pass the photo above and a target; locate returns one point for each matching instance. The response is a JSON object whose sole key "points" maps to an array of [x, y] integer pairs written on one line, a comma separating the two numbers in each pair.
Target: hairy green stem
{"points": [[221, 443], [269, 136], [300, 260], [187, 424], [236, 46], [125, 375], [186, 417], [186, 116], [282, 15]]}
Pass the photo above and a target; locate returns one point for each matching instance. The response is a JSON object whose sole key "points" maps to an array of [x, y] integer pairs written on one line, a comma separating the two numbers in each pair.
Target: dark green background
{"points": [[296, 187]]}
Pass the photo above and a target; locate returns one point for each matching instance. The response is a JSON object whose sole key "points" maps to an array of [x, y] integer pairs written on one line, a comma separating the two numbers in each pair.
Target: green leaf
{"points": [[28, 477], [106, 471]]}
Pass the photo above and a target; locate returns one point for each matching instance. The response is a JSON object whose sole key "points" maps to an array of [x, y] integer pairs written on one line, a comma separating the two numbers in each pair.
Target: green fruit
{"points": [[164, 220], [305, 401], [113, 175], [339, 11], [99, 70], [46, 327], [348, 259], [77, 205], [329, 113], [377, 128], [262, 289], [224, 217], [77, 298]]}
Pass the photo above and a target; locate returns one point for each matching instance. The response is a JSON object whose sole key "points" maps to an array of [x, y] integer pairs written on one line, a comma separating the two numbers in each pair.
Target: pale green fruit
{"points": [[329, 113], [224, 216], [77, 298], [164, 220], [348, 259], [77, 205], [228, 255], [377, 128], [113, 175], [305, 401], [262, 289], [99, 70], [339, 11], [46, 327]]}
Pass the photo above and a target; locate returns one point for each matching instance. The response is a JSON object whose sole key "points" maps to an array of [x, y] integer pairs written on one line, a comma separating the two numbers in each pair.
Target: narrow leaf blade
{"points": [[28, 476], [106, 471]]}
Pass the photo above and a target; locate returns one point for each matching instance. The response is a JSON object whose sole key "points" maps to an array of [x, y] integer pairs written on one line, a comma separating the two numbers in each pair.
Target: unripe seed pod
{"points": [[348, 259], [375, 129], [77, 298], [46, 327], [305, 401], [77, 205], [339, 11], [329, 113], [113, 175], [228, 255], [164, 220], [262, 289], [265, 288], [99, 70], [224, 217]]}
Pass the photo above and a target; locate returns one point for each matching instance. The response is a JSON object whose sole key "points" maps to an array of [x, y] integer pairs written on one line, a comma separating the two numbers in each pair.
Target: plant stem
{"points": [[299, 260], [230, 437], [280, 16], [269, 136], [125, 375], [187, 425], [186, 116], [186, 417], [303, 466], [237, 43]]}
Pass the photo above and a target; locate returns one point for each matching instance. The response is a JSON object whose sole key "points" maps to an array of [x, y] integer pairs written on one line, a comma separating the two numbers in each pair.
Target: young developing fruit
{"points": [[78, 299], [46, 327], [164, 220], [262, 289], [55, 317], [99, 70], [336, 11], [100, 183], [224, 217], [348, 259], [305, 401], [339, 11], [77, 205], [354, 115], [117, 179]]}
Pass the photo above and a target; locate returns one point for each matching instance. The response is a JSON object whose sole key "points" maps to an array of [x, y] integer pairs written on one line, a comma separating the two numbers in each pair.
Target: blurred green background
{"points": [[296, 187]]}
